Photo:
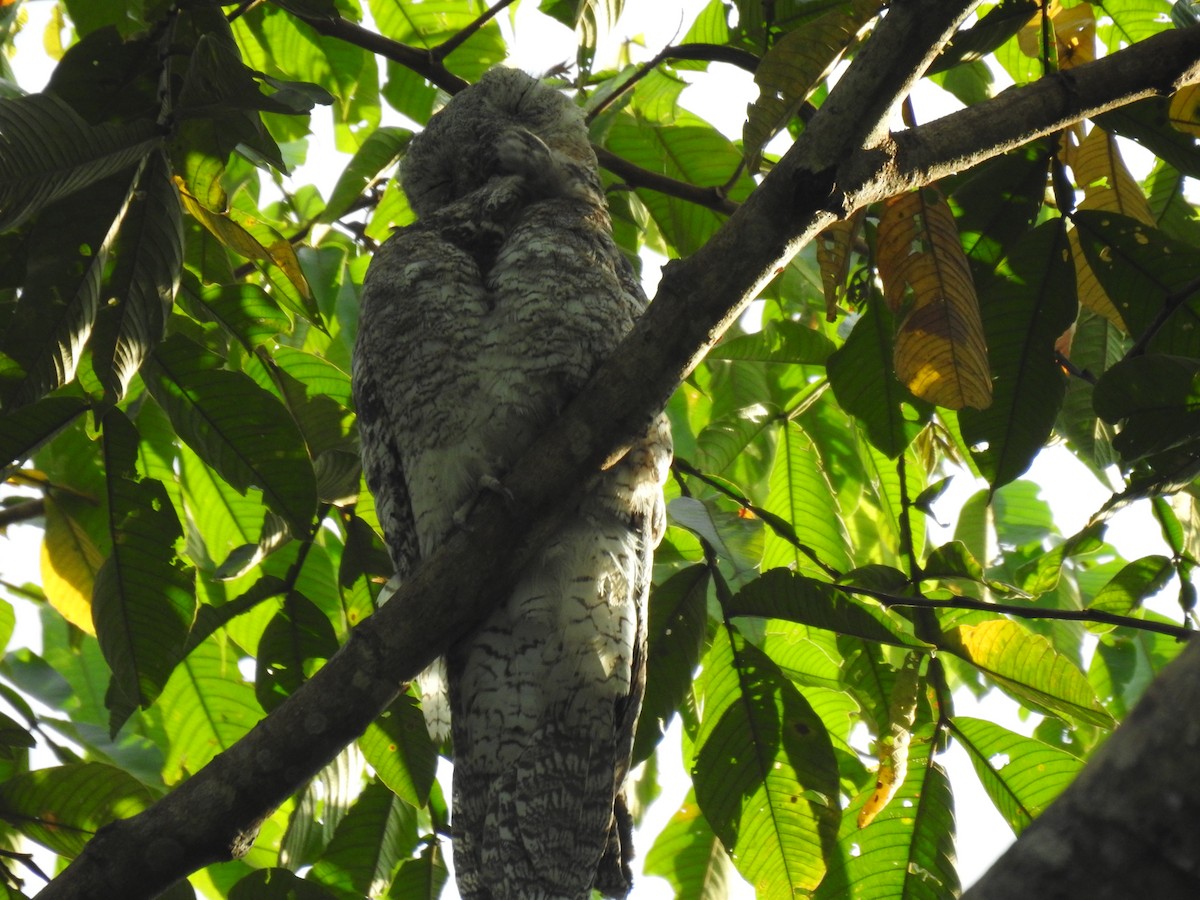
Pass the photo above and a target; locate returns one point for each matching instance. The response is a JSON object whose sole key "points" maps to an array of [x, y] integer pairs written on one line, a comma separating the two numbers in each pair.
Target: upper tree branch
{"points": [[430, 66], [214, 814]]}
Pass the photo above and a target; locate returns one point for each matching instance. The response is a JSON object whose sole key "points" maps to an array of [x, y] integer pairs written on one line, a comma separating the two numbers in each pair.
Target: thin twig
{"points": [[635, 176], [1022, 612], [448, 46]]}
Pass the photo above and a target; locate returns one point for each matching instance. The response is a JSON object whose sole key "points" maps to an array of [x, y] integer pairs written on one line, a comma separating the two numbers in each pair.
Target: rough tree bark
{"points": [[843, 160]]}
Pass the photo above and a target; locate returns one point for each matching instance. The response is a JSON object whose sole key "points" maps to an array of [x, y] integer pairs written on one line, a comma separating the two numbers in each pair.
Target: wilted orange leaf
{"points": [[940, 353], [833, 257]]}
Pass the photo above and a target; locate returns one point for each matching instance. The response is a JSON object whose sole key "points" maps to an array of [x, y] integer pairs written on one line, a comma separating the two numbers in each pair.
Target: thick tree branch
{"points": [[213, 815], [1126, 827]]}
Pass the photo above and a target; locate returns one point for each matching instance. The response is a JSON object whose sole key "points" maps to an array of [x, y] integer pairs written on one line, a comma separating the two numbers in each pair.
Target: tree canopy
{"points": [[215, 682]]}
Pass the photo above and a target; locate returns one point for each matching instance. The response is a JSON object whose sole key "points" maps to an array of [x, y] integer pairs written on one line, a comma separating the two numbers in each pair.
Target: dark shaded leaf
{"points": [[236, 427]]}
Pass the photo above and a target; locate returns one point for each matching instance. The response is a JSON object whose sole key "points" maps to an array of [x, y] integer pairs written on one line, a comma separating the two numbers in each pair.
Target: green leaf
{"points": [[1021, 775], [674, 644], [688, 855], [142, 288], [908, 849], [296, 642], [28, 428], [236, 427], [60, 299], [377, 832], [784, 594], [865, 384], [790, 343], [422, 878], [278, 884], [143, 602], [1148, 275], [48, 152], [243, 311], [398, 747], [733, 538], [764, 772], [1025, 310], [382, 148], [800, 494], [687, 149], [1132, 586], [1156, 398], [206, 707], [1028, 667], [63, 806]]}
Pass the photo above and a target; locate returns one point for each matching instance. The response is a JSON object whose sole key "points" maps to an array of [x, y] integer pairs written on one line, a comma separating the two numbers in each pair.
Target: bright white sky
{"points": [[1072, 492]]}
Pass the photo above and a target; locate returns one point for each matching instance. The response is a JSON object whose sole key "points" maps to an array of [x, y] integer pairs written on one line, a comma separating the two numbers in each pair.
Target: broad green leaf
{"points": [[865, 385], [1156, 400], [48, 152], [1021, 775], [997, 202], [784, 594], [142, 288], [422, 878], [1125, 663], [244, 311], [319, 807], [296, 643], [69, 247], [674, 643], [234, 426], [801, 494], [1025, 310], [688, 855], [430, 23], [26, 429], [1132, 586], [206, 707], [377, 832], [398, 747], [70, 561], [1096, 346], [63, 806], [1027, 666], [908, 849], [784, 342], [764, 772], [378, 152], [144, 601], [687, 149], [278, 884], [732, 537], [1143, 270]]}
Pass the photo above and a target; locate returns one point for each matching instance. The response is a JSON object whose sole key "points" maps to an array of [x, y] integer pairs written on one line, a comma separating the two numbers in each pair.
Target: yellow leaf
{"points": [[1105, 180], [1184, 114], [940, 352], [1074, 34], [70, 561], [239, 239], [1107, 185], [893, 748], [833, 257]]}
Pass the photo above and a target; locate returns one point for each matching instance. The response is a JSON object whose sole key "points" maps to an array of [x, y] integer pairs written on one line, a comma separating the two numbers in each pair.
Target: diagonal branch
{"points": [[214, 815]]}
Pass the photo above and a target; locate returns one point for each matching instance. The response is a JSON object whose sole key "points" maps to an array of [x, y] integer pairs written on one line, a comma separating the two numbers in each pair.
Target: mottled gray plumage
{"points": [[478, 323]]}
